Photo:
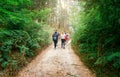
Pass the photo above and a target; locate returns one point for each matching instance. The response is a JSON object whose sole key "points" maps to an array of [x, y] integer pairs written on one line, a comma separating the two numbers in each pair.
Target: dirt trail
{"points": [[56, 63]]}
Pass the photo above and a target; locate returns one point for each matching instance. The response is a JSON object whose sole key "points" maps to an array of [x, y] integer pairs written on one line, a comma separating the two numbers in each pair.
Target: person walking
{"points": [[63, 40], [55, 38], [66, 38]]}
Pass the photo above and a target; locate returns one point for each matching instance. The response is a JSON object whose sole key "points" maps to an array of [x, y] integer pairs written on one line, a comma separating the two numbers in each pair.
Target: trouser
{"points": [[62, 43], [55, 43]]}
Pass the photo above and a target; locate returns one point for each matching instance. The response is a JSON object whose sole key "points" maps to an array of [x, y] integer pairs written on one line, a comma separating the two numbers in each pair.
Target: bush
{"points": [[19, 31], [97, 35]]}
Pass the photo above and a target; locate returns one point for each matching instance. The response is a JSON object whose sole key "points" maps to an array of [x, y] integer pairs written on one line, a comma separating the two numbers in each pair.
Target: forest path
{"points": [[56, 63]]}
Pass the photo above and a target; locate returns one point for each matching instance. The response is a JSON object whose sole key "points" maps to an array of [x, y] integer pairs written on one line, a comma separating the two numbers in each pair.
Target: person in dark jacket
{"points": [[55, 38]]}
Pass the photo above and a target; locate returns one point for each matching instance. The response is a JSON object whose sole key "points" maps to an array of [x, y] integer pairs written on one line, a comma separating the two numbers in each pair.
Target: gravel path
{"points": [[56, 63]]}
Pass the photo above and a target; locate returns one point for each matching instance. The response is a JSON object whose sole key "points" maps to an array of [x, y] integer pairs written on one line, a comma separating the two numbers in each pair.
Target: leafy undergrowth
{"points": [[99, 70], [97, 38], [17, 63], [22, 31]]}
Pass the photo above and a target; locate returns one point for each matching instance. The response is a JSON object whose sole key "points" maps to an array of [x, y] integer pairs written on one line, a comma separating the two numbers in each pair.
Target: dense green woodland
{"points": [[97, 36], [20, 33], [23, 30]]}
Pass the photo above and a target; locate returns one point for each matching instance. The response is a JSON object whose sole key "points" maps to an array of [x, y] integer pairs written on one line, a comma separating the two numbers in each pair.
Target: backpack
{"points": [[66, 37], [55, 36]]}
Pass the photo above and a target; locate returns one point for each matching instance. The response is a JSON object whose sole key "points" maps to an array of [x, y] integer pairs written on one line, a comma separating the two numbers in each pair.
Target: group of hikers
{"points": [[64, 38]]}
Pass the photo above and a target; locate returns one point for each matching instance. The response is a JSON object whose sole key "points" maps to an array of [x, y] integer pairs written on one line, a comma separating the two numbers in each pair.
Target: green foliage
{"points": [[40, 4], [4, 64], [98, 34], [8, 63], [11, 13], [19, 30], [44, 12]]}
